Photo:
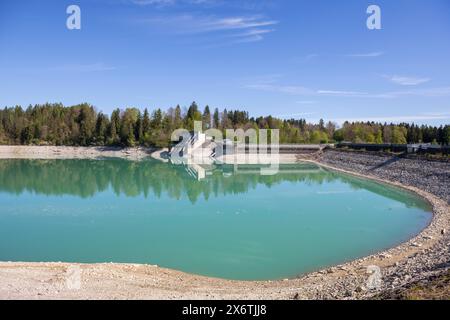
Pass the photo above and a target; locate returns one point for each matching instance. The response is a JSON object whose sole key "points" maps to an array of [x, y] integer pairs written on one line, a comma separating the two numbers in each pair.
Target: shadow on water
{"points": [[150, 178]]}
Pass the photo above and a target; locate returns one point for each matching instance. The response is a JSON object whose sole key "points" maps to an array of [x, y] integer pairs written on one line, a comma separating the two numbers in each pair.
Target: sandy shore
{"points": [[415, 259]]}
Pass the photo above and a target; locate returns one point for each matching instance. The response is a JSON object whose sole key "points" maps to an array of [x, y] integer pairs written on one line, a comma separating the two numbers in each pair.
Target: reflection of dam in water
{"points": [[201, 154], [202, 171]]}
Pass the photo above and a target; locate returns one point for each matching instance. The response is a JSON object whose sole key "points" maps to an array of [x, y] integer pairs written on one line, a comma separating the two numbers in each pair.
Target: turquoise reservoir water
{"points": [[234, 224]]}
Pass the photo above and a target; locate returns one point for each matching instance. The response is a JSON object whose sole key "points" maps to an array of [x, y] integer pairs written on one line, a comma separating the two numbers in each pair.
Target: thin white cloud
{"points": [[436, 114], [306, 102], [430, 93], [306, 58], [310, 57], [242, 4], [254, 32], [188, 23], [300, 90], [294, 90], [254, 38], [251, 35], [261, 79], [394, 119], [339, 93], [153, 2], [366, 55], [237, 23], [244, 28], [407, 80], [305, 91]]}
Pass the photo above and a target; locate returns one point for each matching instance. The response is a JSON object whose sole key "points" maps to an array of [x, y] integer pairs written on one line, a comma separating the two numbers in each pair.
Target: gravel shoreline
{"points": [[426, 255], [429, 179], [427, 175]]}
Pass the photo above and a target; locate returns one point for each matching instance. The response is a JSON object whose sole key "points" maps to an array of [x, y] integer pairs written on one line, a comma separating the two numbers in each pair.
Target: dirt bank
{"points": [[59, 152]]}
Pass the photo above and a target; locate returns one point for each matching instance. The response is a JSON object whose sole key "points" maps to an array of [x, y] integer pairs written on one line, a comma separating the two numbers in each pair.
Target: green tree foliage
{"points": [[139, 129], [128, 127], [178, 118], [206, 118], [86, 121], [318, 136], [82, 125], [446, 135], [101, 129], [216, 118], [398, 135], [113, 136], [146, 128], [192, 115]]}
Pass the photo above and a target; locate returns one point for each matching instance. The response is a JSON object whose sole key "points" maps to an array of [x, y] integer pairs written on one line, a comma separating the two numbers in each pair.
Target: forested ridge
{"points": [[83, 125]]}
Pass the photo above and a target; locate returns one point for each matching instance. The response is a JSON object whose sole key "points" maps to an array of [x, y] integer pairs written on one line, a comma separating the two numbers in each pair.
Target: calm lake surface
{"points": [[234, 224]]}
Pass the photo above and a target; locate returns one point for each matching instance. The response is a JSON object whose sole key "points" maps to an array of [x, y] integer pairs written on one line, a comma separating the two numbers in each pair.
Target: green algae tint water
{"points": [[233, 224]]}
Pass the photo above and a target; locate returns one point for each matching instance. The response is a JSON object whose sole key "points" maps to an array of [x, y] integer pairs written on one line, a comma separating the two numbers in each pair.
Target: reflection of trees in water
{"points": [[85, 178]]}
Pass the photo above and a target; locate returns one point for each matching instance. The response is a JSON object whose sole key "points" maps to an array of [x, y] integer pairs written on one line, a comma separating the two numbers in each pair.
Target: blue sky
{"points": [[290, 58]]}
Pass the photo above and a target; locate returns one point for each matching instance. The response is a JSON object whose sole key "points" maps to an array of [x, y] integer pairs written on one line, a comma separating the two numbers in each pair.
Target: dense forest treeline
{"points": [[82, 125]]}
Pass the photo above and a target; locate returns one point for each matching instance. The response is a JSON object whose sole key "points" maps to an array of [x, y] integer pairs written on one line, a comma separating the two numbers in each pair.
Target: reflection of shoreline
{"points": [[85, 178], [151, 178]]}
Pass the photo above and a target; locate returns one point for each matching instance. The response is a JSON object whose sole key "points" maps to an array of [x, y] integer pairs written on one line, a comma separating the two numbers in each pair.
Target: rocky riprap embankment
{"points": [[430, 176], [427, 264]]}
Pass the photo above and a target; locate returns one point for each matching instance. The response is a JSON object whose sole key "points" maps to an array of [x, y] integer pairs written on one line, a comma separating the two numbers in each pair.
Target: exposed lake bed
{"points": [[335, 282]]}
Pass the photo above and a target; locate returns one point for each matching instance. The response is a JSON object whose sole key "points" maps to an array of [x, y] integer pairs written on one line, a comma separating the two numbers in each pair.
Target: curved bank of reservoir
{"points": [[416, 259], [235, 223]]}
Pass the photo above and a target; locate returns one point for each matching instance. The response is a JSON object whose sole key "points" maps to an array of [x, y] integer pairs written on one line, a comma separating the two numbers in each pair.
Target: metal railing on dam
{"points": [[281, 148]]}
